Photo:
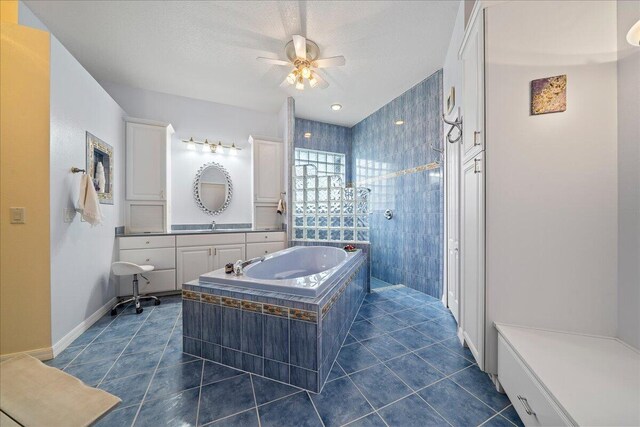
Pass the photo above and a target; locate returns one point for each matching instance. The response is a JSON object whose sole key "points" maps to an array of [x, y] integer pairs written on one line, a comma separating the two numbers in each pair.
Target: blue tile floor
{"points": [[378, 283], [401, 365]]}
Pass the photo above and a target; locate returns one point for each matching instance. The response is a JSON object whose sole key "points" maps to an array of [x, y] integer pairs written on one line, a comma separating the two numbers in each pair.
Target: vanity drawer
{"points": [[141, 242], [530, 400], [159, 281], [160, 258], [267, 236], [261, 249], [210, 239]]}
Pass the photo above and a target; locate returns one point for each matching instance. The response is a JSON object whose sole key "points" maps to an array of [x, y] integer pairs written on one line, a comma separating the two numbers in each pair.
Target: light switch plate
{"points": [[18, 215]]}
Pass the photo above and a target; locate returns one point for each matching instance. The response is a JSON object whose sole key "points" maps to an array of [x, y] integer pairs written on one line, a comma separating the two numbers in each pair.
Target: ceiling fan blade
{"points": [[334, 61], [285, 83], [300, 44], [275, 61], [322, 83]]}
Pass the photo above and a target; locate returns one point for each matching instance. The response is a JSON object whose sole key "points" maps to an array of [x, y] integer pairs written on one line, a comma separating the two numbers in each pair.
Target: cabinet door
{"points": [[473, 91], [472, 254], [146, 160], [193, 262], [267, 171], [453, 229], [227, 254]]}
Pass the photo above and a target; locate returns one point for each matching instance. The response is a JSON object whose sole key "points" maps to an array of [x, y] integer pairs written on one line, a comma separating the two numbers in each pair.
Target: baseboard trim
{"points": [[44, 353], [83, 326]]}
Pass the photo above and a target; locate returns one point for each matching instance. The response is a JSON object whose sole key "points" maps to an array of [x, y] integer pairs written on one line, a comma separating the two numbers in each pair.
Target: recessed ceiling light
{"points": [[336, 107], [307, 134], [399, 122]]}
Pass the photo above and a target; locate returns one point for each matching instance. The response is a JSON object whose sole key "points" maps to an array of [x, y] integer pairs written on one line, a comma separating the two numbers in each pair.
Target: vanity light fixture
{"points": [[211, 146], [336, 107], [399, 122], [633, 36], [307, 134]]}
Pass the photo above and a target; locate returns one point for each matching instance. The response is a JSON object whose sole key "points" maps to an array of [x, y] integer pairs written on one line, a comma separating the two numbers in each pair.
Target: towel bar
{"points": [[76, 170]]}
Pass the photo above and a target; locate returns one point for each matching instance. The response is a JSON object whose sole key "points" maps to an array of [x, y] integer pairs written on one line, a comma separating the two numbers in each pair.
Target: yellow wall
{"points": [[25, 298]]}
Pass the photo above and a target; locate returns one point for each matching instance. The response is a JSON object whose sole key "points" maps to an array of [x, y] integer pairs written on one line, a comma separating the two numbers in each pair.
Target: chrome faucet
{"points": [[213, 225], [240, 265]]}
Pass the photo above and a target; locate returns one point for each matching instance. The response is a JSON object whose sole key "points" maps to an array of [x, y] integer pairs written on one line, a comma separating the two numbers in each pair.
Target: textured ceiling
{"points": [[208, 50]]}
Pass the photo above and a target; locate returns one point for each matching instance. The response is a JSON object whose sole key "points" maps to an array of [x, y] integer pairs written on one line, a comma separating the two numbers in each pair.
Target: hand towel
{"points": [[282, 206], [88, 203]]}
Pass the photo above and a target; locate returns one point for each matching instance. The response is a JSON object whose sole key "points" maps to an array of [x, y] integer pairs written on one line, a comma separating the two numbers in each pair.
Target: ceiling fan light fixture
{"points": [[336, 107], [291, 78], [300, 84], [306, 72]]}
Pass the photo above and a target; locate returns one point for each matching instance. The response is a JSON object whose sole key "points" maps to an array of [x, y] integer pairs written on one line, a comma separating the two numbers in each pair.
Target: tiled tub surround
{"points": [[395, 161], [291, 339]]}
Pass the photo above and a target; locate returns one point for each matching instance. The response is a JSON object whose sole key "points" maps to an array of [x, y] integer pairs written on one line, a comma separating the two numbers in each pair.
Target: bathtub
{"points": [[307, 271]]}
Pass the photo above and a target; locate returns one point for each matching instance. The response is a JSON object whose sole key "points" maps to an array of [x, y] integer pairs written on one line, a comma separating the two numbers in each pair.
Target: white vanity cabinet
{"points": [[261, 244], [267, 159], [181, 258], [159, 251], [199, 254], [147, 173]]}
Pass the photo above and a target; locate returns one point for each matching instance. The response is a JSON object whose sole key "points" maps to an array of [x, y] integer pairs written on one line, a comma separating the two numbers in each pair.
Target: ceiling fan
{"points": [[303, 56]]}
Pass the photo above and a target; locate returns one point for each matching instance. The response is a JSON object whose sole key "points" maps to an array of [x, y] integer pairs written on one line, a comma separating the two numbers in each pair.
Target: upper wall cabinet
{"points": [[472, 54], [267, 158], [147, 157]]}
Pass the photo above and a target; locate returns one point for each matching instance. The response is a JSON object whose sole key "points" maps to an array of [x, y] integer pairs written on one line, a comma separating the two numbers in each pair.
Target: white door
{"points": [[146, 159], [453, 228], [472, 254], [193, 262], [267, 171], [473, 91], [225, 254]]}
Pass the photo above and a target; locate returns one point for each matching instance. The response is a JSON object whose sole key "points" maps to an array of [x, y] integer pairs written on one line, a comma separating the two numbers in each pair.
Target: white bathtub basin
{"points": [[301, 270]]}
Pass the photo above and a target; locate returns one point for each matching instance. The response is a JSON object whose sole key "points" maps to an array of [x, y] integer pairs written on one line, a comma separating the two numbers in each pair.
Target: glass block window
{"points": [[325, 162], [324, 210]]}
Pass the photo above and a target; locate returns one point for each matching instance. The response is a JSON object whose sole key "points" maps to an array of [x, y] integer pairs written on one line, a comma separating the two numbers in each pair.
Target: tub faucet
{"points": [[240, 265], [213, 225]]}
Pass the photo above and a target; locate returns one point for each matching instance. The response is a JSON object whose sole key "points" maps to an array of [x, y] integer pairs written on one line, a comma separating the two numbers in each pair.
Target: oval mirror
{"points": [[212, 188]]}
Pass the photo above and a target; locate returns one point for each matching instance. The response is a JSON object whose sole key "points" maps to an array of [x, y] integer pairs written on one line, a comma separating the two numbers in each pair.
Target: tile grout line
{"points": [[135, 418], [316, 409], [255, 401], [199, 391]]}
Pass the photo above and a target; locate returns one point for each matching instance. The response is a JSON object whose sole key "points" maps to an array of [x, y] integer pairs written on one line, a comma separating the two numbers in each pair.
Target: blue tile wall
{"points": [[325, 137], [280, 342], [407, 249]]}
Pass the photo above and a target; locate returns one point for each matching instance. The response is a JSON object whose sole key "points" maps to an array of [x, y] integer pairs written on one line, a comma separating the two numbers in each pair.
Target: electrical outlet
{"points": [[18, 215], [69, 215]]}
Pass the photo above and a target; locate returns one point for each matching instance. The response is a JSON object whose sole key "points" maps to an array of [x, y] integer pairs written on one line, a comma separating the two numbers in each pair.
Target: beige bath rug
{"points": [[33, 394]]}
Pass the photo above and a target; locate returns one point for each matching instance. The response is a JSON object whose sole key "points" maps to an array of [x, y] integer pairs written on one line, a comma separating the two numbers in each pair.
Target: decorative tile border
{"points": [[211, 299], [251, 306], [275, 310], [336, 296], [256, 307], [421, 168], [195, 296], [307, 316]]}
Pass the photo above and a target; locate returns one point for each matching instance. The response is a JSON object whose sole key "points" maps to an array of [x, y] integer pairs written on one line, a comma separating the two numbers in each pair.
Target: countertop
{"points": [[216, 231]]}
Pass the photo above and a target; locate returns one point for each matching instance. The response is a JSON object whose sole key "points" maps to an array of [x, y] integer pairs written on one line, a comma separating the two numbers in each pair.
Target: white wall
{"points": [[628, 177], [81, 255], [201, 119], [551, 179]]}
